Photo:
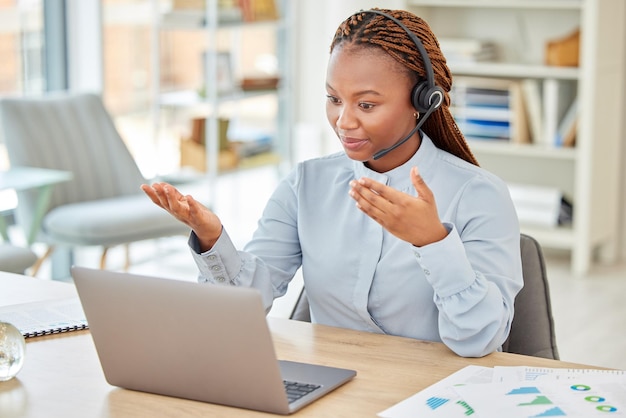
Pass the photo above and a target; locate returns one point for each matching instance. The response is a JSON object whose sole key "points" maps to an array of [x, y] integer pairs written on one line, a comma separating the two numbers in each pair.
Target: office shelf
{"points": [[513, 70], [524, 150], [215, 90], [185, 98], [588, 173], [504, 4]]}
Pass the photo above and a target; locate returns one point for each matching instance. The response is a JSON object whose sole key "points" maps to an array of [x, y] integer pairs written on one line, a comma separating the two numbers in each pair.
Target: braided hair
{"points": [[374, 30]]}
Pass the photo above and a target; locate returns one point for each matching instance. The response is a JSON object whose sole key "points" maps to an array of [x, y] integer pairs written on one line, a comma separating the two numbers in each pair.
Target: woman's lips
{"points": [[353, 144]]}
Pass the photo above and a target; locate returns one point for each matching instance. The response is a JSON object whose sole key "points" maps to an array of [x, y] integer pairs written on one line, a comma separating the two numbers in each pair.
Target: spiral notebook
{"points": [[55, 316]]}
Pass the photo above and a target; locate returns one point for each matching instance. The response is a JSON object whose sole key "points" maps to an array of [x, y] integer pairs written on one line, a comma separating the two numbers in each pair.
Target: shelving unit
{"points": [[217, 92], [588, 174]]}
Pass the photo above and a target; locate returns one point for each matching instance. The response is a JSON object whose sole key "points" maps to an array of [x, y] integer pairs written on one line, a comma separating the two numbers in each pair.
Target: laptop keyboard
{"points": [[296, 390]]}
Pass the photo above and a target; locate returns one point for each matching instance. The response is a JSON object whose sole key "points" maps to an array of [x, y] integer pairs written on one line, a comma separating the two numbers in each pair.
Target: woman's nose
{"points": [[346, 119]]}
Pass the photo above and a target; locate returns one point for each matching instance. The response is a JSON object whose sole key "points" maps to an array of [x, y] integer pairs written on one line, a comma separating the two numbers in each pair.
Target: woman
{"points": [[402, 233]]}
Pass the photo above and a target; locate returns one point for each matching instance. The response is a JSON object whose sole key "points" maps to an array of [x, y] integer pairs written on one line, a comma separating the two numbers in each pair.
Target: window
{"points": [[21, 47], [131, 67]]}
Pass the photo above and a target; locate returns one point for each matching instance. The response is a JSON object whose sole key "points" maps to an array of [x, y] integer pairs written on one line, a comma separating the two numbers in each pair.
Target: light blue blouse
{"points": [[357, 275]]}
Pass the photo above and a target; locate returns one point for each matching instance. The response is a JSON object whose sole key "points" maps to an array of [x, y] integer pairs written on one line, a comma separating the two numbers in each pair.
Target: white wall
{"points": [[622, 210]]}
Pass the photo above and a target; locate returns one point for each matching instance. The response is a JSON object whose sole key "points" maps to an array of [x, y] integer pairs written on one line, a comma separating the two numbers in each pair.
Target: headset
{"points": [[426, 96]]}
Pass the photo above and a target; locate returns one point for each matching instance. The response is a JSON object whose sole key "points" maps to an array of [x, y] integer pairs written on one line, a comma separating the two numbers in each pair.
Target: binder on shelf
{"points": [[531, 89], [551, 108], [566, 132], [490, 109], [521, 132], [569, 137], [557, 97]]}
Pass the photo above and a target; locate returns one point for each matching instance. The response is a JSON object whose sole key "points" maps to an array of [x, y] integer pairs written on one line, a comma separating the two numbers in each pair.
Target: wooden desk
{"points": [[62, 375]]}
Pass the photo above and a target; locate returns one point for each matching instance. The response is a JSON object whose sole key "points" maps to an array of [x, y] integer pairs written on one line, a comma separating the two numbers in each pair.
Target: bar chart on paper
{"points": [[453, 407], [519, 392], [594, 398], [435, 402]]}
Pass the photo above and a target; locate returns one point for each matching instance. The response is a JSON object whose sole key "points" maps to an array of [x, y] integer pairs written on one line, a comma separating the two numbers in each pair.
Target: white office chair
{"points": [[103, 205], [16, 259]]}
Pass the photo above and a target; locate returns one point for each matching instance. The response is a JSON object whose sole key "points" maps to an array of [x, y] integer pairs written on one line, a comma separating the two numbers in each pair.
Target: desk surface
{"points": [[62, 375]]}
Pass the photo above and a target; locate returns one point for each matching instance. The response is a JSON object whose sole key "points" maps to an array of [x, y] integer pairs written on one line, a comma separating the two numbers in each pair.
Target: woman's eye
{"points": [[366, 106], [332, 99]]}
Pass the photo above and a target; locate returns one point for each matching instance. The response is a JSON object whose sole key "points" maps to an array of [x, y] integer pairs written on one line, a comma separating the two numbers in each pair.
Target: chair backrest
{"points": [[72, 132], [532, 331], [301, 310]]}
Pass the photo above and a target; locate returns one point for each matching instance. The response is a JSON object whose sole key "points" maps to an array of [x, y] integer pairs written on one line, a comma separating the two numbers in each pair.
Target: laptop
{"points": [[203, 342]]}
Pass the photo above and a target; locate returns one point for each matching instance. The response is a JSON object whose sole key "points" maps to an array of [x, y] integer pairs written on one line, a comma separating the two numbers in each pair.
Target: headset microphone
{"points": [[426, 96]]}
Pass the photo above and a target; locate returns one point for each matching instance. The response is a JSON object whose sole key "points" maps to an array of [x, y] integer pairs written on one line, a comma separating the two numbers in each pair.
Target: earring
{"points": [[416, 115]]}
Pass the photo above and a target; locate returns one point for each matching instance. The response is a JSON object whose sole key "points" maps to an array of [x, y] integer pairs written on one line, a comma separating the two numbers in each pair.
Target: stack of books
{"points": [[468, 50], [490, 109]]}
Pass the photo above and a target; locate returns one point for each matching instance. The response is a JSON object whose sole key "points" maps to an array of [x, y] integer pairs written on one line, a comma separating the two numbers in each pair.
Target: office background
{"points": [[107, 47]]}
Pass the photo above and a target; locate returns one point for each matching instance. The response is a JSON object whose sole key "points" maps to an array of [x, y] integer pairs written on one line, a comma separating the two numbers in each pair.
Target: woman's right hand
{"points": [[186, 209]]}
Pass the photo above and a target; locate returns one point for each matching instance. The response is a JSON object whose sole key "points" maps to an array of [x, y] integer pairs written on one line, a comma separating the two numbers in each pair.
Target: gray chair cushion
{"points": [[15, 259]]}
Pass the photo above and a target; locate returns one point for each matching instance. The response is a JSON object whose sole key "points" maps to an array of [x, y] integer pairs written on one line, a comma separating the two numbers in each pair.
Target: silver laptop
{"points": [[195, 341]]}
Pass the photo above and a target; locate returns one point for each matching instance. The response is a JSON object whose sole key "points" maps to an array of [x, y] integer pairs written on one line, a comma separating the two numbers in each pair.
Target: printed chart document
{"points": [[519, 392], [440, 399], [47, 317]]}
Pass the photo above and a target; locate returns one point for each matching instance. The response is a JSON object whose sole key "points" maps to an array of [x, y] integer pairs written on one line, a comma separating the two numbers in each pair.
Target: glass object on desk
{"points": [[12, 351]]}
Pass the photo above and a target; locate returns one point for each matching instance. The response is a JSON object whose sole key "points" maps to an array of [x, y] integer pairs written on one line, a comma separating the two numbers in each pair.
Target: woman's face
{"points": [[369, 105]]}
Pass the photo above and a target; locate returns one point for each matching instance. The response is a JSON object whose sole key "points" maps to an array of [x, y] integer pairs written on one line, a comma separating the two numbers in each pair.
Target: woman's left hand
{"points": [[412, 219]]}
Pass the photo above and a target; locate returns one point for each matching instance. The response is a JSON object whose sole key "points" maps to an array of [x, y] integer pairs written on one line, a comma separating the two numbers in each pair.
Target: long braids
{"points": [[370, 29]]}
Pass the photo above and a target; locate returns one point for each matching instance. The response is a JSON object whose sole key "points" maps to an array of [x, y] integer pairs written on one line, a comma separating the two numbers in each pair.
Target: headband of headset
{"points": [[426, 95]]}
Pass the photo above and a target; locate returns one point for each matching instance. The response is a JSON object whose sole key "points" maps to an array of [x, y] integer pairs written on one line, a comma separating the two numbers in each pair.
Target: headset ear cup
{"points": [[419, 97], [423, 97], [435, 97]]}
